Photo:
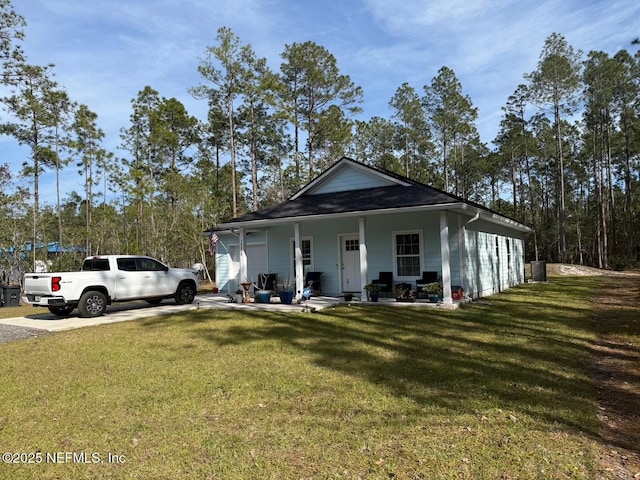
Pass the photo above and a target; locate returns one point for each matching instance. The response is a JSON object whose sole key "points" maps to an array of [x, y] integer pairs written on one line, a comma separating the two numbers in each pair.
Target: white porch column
{"points": [[244, 271], [446, 259], [299, 273], [363, 256]]}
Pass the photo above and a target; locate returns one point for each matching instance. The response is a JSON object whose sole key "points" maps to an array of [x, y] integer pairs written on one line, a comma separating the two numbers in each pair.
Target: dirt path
{"points": [[617, 374]]}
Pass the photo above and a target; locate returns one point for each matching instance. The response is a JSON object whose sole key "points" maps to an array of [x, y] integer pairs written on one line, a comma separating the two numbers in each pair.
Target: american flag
{"points": [[212, 243]]}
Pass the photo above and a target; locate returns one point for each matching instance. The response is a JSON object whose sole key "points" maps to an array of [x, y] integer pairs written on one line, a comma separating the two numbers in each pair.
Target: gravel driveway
{"points": [[9, 333]]}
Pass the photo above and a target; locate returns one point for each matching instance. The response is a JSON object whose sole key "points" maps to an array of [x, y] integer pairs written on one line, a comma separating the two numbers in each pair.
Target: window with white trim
{"points": [[407, 249], [306, 245]]}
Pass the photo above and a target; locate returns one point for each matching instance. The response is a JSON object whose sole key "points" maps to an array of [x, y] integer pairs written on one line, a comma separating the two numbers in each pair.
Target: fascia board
{"points": [[454, 206]]}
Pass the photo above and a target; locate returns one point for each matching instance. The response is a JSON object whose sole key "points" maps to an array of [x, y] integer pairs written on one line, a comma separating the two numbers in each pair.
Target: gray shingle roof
{"points": [[352, 201]]}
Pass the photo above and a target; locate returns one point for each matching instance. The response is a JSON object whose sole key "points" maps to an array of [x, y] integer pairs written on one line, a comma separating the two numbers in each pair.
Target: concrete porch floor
{"points": [[319, 302]]}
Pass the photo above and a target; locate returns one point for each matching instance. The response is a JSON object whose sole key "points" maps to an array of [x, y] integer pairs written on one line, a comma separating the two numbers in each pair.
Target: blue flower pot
{"points": [[263, 297], [286, 297]]}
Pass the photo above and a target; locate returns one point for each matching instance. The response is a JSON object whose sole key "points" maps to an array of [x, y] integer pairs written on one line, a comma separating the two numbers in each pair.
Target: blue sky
{"points": [[106, 51]]}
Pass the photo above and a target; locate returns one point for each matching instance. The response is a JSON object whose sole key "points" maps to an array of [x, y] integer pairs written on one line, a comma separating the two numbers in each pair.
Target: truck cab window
{"points": [[127, 264]]}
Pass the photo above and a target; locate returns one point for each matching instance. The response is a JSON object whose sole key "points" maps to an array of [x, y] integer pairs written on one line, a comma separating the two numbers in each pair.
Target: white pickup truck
{"points": [[105, 279]]}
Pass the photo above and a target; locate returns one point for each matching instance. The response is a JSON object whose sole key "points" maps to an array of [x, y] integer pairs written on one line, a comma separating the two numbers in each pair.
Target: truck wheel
{"points": [[92, 304], [62, 311], [185, 293]]}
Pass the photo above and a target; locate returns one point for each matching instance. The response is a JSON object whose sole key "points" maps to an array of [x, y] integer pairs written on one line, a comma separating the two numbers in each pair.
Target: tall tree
{"points": [[627, 108], [261, 128], [555, 83], [162, 140], [314, 86], [175, 134], [14, 228], [140, 181], [85, 144], [30, 106], [544, 173], [599, 79], [451, 115], [61, 110], [11, 32], [333, 137], [224, 68], [374, 143], [515, 122], [412, 132]]}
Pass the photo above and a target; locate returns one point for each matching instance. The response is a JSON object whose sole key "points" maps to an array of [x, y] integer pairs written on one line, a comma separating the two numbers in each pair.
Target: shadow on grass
{"points": [[525, 351], [617, 361]]}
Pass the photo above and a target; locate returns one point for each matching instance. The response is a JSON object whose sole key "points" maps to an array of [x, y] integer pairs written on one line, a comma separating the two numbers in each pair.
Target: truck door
{"points": [[156, 278], [130, 282], [141, 277]]}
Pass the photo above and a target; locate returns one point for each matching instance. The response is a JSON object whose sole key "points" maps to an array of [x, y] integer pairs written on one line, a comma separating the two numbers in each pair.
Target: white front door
{"points": [[350, 247]]}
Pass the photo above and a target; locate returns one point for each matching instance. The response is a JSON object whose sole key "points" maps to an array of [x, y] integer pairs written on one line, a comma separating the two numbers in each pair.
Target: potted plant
{"points": [[433, 291], [262, 294], [373, 291], [404, 293], [286, 294], [348, 296]]}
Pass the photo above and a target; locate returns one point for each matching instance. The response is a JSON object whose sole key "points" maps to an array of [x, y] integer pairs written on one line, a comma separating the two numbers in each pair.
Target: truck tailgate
{"points": [[37, 283]]}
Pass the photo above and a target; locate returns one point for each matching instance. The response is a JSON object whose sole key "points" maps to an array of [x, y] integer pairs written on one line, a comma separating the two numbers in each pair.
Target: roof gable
{"points": [[348, 175], [351, 188]]}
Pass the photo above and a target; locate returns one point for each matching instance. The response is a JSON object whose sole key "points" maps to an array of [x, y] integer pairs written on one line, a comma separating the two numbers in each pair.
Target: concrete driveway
{"points": [[124, 312]]}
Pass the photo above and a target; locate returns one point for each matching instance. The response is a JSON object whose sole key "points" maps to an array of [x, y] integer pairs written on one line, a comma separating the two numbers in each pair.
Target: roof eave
{"points": [[326, 216], [453, 206]]}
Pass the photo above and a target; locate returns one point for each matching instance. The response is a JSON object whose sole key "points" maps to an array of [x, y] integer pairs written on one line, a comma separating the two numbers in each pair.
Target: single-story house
{"points": [[354, 222]]}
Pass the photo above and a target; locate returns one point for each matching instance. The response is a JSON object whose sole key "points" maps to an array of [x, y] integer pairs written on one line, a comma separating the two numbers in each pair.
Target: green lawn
{"points": [[499, 389]]}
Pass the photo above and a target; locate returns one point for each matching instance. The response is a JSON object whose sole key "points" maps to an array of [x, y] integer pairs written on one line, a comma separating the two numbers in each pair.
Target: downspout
{"points": [[475, 217]]}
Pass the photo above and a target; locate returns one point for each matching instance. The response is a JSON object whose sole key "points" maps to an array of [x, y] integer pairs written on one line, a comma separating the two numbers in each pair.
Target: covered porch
{"points": [[351, 252]]}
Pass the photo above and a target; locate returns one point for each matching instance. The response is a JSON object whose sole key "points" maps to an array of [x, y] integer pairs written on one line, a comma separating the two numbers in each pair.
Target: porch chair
{"points": [[312, 280], [385, 281]]}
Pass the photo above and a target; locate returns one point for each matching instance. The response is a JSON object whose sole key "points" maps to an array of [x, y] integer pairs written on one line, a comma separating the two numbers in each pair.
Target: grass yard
{"points": [[21, 311], [501, 389]]}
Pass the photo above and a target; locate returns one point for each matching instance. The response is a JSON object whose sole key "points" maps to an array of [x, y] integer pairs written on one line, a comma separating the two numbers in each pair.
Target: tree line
{"points": [[565, 159]]}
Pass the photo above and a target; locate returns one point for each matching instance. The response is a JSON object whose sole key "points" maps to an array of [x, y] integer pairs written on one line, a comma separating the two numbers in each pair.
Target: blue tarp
{"points": [[51, 247]]}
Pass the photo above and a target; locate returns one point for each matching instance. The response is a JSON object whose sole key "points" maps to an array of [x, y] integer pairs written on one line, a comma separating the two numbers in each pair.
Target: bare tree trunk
{"points": [[530, 189], [598, 180], [611, 213], [562, 207], [514, 184], [234, 185], [630, 225]]}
